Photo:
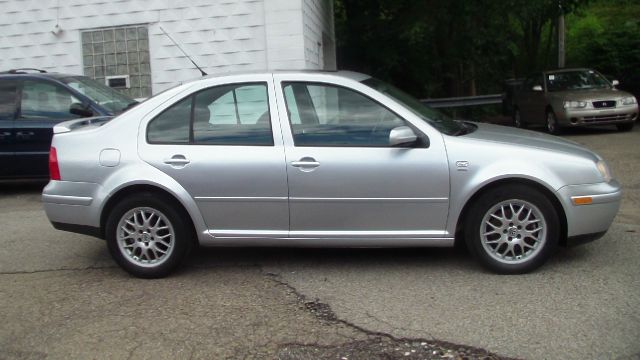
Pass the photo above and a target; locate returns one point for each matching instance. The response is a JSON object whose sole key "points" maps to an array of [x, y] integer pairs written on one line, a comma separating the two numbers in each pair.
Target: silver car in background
{"points": [[320, 159], [573, 98]]}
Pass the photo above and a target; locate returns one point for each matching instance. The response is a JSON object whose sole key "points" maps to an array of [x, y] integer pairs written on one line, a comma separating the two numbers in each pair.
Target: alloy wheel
{"points": [[145, 237], [513, 231]]}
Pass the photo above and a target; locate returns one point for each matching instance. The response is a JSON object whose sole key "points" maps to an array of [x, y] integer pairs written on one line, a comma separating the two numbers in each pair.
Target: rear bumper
{"points": [[71, 206], [590, 221], [79, 229]]}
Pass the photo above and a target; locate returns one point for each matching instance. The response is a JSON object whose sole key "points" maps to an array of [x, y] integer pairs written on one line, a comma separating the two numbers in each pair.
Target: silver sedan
{"points": [[324, 159]]}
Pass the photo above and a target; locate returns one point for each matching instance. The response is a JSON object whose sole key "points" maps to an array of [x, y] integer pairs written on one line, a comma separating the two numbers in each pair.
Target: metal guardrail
{"points": [[463, 101]]}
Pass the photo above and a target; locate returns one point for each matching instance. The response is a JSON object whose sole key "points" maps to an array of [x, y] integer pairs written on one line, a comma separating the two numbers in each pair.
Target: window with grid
{"points": [[122, 50]]}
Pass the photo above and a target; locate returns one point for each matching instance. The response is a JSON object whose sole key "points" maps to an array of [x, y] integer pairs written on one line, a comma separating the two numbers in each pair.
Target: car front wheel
{"points": [[146, 236], [512, 229], [552, 123], [517, 120]]}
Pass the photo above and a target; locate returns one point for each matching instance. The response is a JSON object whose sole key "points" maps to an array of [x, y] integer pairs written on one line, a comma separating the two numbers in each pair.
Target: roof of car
{"points": [[344, 73], [36, 74], [565, 70]]}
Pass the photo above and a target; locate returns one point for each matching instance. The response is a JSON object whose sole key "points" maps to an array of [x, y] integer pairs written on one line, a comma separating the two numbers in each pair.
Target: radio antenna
{"points": [[185, 53]]}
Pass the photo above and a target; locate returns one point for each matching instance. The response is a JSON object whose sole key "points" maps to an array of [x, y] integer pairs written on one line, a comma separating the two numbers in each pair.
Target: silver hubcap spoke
{"points": [[145, 237], [513, 231], [551, 123]]}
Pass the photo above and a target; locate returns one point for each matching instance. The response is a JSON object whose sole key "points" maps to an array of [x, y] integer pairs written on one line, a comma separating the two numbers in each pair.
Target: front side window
{"points": [[43, 100], [328, 115], [235, 114]]}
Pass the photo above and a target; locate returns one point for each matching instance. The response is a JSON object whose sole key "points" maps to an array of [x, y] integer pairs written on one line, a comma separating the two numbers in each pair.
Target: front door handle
{"points": [[306, 163], [4, 134], [177, 160]]}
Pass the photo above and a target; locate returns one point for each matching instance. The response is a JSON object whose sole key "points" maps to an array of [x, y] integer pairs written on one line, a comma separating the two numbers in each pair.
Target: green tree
{"points": [[437, 48]]}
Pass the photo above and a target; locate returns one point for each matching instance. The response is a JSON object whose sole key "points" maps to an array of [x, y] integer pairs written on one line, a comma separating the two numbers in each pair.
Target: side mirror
{"points": [[615, 82], [80, 110], [402, 135], [537, 88]]}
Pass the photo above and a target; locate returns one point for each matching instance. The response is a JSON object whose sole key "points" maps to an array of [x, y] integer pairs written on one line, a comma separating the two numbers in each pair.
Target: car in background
{"points": [[573, 98], [326, 159], [32, 102]]}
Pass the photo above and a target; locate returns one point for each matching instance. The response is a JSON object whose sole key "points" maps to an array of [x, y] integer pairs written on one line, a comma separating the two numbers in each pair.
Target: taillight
{"points": [[54, 169]]}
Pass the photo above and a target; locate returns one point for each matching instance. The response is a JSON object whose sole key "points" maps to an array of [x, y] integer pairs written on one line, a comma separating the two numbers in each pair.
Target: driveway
{"points": [[62, 296]]}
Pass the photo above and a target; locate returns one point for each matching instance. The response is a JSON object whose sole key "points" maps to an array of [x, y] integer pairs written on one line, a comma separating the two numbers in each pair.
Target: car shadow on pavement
{"points": [[426, 259]]}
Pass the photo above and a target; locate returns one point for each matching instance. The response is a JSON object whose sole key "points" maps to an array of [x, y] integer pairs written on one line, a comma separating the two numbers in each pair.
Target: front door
{"points": [[8, 92], [345, 181], [219, 144]]}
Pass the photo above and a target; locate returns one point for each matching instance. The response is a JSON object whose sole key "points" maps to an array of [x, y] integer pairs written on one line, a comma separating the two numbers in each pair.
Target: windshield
{"points": [[435, 118], [575, 80], [112, 100]]}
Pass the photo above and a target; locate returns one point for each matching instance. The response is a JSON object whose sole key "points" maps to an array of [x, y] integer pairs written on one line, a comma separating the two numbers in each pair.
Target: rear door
{"points": [[219, 144], [43, 104], [8, 99]]}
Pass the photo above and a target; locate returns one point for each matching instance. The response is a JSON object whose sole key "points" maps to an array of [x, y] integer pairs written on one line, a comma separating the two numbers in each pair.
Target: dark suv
{"points": [[32, 102]]}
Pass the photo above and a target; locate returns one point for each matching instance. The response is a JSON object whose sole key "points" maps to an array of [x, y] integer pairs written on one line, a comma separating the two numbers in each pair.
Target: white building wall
{"points": [[319, 35], [284, 38], [220, 35]]}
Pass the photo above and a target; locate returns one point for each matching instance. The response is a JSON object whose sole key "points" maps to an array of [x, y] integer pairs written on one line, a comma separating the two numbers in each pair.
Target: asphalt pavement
{"points": [[62, 296]]}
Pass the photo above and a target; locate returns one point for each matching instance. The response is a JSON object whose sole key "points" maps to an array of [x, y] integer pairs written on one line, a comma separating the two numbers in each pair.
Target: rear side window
{"points": [[43, 100], [235, 114], [7, 99], [172, 125]]}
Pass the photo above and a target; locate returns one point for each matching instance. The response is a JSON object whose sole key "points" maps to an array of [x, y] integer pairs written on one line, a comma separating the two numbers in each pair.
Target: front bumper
{"points": [[602, 116], [590, 221]]}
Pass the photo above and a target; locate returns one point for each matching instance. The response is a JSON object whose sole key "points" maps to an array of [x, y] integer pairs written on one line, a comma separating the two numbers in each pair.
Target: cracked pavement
{"points": [[63, 297]]}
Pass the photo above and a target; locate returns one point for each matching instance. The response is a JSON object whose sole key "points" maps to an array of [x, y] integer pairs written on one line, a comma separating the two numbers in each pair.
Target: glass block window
{"points": [[122, 50]]}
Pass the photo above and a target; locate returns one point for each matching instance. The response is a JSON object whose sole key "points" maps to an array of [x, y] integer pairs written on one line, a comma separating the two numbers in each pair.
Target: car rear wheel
{"points": [[512, 229], [517, 120], [552, 123], [146, 236], [625, 127]]}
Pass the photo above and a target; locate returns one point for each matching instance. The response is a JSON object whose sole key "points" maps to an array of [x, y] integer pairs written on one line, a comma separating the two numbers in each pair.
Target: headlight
{"points": [[628, 100], [603, 169], [575, 104]]}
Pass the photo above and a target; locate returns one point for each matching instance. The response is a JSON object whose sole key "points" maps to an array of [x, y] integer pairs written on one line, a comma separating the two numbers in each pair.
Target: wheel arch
{"points": [[132, 189], [459, 232]]}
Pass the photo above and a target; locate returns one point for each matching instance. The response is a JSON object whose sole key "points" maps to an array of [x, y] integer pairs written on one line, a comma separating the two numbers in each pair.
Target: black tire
{"points": [[480, 245], [625, 126], [167, 213], [551, 123], [517, 120]]}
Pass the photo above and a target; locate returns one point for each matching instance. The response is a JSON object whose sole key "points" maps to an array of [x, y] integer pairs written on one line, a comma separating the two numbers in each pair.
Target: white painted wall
{"points": [[318, 19], [220, 35]]}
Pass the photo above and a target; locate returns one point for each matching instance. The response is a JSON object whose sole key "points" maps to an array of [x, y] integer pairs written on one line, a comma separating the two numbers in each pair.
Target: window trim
{"points": [[193, 95], [423, 139]]}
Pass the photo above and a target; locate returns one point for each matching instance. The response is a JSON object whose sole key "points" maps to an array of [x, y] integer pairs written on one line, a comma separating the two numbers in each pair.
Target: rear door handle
{"points": [[177, 160], [4, 134], [306, 163]]}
